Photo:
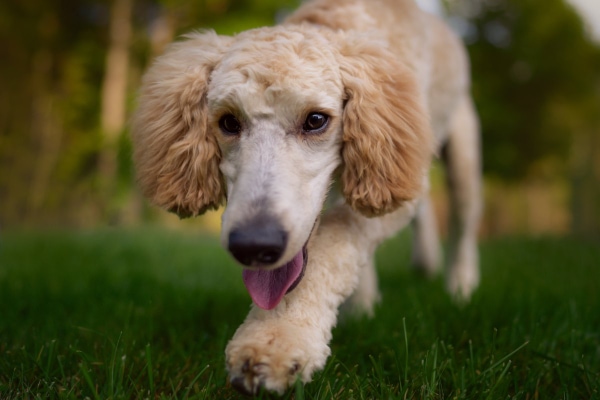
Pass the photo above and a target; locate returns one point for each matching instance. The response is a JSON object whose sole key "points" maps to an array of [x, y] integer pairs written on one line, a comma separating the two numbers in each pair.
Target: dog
{"points": [[318, 135]]}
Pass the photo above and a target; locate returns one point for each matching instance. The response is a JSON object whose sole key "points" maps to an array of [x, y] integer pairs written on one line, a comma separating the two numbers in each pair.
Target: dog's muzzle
{"points": [[260, 243]]}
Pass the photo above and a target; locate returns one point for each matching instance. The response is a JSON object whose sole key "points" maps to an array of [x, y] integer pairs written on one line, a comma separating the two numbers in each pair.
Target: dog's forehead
{"points": [[284, 51], [277, 63]]}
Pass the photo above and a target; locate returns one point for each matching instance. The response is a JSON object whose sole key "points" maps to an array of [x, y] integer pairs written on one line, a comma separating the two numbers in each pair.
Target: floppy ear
{"points": [[387, 140], [176, 156]]}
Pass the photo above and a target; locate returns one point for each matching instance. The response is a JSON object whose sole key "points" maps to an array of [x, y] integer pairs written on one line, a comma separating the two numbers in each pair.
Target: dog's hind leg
{"points": [[426, 251], [461, 156]]}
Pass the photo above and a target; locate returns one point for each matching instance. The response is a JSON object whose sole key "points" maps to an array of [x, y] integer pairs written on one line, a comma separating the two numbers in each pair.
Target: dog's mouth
{"points": [[267, 287]]}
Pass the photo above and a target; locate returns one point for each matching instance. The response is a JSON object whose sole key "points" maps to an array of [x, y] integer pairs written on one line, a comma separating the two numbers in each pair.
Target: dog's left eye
{"points": [[315, 122], [230, 125]]}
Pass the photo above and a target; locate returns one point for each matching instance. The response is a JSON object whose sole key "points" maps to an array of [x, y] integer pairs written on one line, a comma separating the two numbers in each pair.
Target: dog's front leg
{"points": [[271, 349]]}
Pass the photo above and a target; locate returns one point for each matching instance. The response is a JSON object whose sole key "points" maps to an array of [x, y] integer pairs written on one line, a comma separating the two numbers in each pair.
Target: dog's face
{"points": [[262, 121], [275, 101]]}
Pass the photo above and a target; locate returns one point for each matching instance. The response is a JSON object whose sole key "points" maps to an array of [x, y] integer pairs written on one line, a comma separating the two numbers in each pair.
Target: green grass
{"points": [[115, 314]]}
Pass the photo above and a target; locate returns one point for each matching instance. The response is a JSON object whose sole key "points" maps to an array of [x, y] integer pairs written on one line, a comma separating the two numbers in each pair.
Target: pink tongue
{"points": [[267, 288]]}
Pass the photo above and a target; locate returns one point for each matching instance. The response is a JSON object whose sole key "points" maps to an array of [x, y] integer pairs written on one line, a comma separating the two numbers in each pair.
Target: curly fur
{"points": [[176, 154], [393, 85], [387, 139]]}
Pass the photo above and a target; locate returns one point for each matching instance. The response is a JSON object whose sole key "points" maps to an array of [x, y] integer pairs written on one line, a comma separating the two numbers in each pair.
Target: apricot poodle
{"points": [[346, 100]]}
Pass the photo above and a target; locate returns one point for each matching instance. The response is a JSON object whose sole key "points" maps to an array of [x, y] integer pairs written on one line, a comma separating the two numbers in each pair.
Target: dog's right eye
{"points": [[315, 122], [230, 125]]}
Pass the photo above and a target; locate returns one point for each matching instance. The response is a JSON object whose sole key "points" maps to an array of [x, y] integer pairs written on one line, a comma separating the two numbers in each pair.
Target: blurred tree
{"points": [[536, 83], [526, 63], [114, 92], [72, 71], [50, 53]]}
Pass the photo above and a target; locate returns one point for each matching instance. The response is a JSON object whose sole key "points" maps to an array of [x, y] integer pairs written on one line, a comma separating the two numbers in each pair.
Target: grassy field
{"points": [[115, 314]]}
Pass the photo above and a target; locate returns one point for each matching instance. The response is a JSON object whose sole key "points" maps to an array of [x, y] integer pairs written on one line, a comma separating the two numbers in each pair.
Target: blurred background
{"points": [[72, 67]]}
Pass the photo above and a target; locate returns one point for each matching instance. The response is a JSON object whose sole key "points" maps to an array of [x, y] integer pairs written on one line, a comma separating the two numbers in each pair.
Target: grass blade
{"points": [[88, 379], [505, 358], [149, 369], [504, 371], [406, 351], [191, 385]]}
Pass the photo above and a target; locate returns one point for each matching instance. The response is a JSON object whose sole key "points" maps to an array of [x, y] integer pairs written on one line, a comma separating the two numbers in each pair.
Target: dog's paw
{"points": [[272, 355], [462, 274], [462, 287], [462, 280]]}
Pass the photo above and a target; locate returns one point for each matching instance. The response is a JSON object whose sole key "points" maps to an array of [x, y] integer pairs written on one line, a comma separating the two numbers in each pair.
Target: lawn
{"points": [[146, 313]]}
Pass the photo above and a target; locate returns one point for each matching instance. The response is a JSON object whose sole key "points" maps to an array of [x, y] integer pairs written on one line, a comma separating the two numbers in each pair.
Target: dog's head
{"points": [[262, 121]]}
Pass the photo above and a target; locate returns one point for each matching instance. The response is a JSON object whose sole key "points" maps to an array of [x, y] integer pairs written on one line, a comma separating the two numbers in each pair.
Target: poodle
{"points": [[318, 135]]}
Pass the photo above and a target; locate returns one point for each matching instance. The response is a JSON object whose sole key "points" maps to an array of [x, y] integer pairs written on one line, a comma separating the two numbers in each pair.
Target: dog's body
{"points": [[361, 92]]}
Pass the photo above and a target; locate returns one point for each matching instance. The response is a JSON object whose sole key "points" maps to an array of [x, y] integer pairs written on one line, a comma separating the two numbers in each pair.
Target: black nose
{"points": [[261, 241]]}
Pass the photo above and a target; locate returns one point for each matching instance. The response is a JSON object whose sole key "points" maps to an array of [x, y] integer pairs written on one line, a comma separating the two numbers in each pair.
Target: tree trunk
{"points": [[114, 94]]}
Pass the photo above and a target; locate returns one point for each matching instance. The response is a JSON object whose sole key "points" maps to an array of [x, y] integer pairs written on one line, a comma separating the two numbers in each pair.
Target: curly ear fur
{"points": [[387, 139], [176, 156]]}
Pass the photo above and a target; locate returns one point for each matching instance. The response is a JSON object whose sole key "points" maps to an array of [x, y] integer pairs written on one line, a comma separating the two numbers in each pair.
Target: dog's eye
{"points": [[315, 122], [230, 125]]}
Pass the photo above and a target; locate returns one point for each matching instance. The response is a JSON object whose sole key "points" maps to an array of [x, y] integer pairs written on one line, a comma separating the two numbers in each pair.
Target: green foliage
{"points": [[50, 134], [536, 79], [147, 314]]}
